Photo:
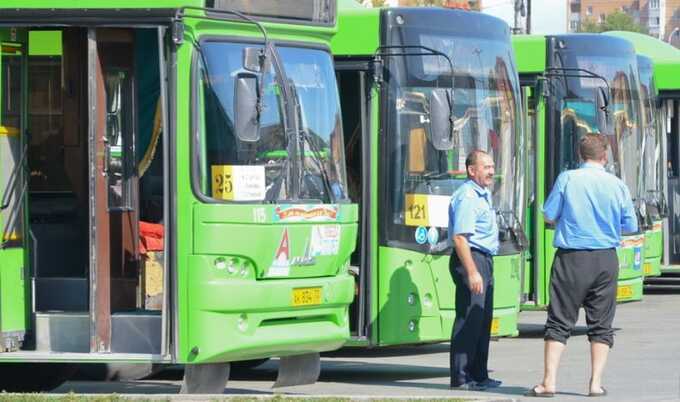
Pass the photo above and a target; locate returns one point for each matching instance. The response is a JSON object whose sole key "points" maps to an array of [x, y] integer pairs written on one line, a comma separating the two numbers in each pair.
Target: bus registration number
{"points": [[306, 296], [624, 292]]}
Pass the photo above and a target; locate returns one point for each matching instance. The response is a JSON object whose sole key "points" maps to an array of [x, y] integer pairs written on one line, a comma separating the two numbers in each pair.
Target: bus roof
{"points": [[665, 57], [58, 13], [100, 4], [529, 53]]}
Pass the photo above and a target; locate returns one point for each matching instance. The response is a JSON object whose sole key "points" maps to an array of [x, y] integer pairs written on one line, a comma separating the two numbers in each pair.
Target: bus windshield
{"points": [[486, 116], [267, 170], [575, 108]]}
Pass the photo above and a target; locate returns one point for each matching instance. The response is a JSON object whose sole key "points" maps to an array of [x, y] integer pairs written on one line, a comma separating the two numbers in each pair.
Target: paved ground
{"points": [[643, 366]]}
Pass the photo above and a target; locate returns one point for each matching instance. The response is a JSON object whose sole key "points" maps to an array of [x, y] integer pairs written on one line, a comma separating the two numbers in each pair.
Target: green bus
{"points": [[211, 130], [665, 61], [420, 88], [574, 84]]}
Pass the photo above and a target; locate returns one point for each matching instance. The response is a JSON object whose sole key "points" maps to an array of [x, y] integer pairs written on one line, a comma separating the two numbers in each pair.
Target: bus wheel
{"points": [[115, 371], [34, 377]]}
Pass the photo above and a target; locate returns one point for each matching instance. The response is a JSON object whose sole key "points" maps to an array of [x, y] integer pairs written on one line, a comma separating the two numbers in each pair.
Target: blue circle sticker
{"points": [[433, 236], [421, 235], [637, 260]]}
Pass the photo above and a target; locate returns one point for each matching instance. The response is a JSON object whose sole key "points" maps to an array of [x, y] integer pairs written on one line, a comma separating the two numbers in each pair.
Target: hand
{"points": [[475, 283]]}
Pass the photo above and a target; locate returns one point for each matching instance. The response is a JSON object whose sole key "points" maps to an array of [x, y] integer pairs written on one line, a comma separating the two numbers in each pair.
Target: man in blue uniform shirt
{"points": [[591, 209], [474, 233]]}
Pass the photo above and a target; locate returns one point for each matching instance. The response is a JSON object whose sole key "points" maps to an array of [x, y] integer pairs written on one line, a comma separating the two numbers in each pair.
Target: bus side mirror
{"points": [[247, 115], [252, 59], [602, 112], [441, 118]]}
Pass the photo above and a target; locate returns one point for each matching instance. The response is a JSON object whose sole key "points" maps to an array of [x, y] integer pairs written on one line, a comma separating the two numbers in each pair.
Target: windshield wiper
{"points": [[509, 221], [316, 153]]}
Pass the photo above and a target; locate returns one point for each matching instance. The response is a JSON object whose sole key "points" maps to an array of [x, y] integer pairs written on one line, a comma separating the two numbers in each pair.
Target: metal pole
{"points": [[528, 17]]}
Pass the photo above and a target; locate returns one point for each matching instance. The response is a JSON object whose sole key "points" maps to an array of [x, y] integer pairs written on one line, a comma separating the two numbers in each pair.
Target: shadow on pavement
{"points": [[431, 348], [136, 387]]}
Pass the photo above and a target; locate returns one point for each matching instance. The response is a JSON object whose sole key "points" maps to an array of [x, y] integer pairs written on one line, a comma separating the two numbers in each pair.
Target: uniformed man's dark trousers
{"points": [[472, 328]]}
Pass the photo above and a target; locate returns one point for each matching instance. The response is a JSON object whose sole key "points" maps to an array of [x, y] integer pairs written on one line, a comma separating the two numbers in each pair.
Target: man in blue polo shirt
{"points": [[591, 209], [474, 233]]}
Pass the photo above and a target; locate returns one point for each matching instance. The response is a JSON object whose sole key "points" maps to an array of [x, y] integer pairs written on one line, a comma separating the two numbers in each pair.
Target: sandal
{"points": [[535, 394], [603, 393]]}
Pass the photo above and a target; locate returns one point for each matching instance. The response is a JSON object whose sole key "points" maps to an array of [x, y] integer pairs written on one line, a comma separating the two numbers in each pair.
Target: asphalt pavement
{"points": [[644, 365]]}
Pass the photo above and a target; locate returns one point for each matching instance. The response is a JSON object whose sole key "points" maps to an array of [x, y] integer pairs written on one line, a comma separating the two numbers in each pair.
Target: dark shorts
{"points": [[588, 279]]}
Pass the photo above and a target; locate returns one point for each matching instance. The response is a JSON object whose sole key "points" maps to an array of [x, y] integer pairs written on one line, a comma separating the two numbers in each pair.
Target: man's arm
{"points": [[475, 282], [552, 208]]}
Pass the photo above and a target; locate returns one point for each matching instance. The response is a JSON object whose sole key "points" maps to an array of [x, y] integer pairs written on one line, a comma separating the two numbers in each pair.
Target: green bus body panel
{"points": [[235, 319], [631, 259], [418, 288], [358, 30], [666, 58], [44, 43], [215, 227], [226, 318], [653, 251], [530, 53], [13, 291]]}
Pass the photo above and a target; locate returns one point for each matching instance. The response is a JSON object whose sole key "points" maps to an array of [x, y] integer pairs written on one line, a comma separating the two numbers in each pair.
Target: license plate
{"points": [[306, 296], [495, 326], [648, 268], [624, 292]]}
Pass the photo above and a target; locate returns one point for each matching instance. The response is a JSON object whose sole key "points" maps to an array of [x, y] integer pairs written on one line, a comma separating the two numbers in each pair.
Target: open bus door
{"points": [[16, 324], [114, 215], [14, 289]]}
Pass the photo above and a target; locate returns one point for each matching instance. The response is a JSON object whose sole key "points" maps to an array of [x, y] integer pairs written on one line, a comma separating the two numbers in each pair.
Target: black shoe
{"points": [[469, 386], [490, 383]]}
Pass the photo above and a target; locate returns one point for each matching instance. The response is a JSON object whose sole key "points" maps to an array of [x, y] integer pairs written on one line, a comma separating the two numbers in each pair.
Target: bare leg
{"points": [[598, 359], [552, 354]]}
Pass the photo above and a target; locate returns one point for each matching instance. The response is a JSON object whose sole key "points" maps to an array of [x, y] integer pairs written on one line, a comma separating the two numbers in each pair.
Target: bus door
{"points": [[114, 227], [354, 80], [532, 293], [13, 253], [672, 131]]}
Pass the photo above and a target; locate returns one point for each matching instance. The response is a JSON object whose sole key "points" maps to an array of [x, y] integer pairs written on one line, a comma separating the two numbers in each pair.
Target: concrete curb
{"points": [[277, 397]]}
